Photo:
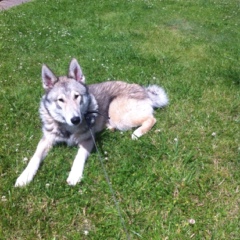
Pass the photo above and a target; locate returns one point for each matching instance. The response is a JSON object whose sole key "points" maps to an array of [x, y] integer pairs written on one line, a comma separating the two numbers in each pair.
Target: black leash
{"points": [[89, 123]]}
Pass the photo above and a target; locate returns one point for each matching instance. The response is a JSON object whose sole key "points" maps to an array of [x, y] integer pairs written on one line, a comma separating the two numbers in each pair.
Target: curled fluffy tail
{"points": [[157, 95]]}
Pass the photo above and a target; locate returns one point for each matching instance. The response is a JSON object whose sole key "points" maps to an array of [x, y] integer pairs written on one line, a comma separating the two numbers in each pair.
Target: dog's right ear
{"points": [[48, 78], [75, 71]]}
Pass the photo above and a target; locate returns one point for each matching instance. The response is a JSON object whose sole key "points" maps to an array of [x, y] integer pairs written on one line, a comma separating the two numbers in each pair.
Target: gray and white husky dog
{"points": [[70, 108]]}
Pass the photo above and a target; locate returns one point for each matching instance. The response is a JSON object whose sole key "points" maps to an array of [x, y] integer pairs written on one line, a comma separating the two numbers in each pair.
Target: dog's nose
{"points": [[75, 120]]}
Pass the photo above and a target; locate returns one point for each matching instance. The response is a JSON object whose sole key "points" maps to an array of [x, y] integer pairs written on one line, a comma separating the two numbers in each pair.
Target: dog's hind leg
{"points": [[127, 113], [27, 175], [76, 173], [144, 128]]}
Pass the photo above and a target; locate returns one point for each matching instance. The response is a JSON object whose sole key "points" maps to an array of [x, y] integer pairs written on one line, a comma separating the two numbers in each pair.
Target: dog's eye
{"points": [[60, 100], [76, 96]]}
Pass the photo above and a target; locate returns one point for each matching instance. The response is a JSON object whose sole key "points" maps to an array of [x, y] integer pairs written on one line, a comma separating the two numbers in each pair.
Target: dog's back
{"points": [[106, 92]]}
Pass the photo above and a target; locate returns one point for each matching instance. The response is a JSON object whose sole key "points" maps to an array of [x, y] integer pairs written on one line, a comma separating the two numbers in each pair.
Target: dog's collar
{"points": [[96, 112], [91, 115]]}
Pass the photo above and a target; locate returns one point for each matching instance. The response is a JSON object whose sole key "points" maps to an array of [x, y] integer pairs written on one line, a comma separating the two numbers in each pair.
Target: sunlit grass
{"points": [[181, 180]]}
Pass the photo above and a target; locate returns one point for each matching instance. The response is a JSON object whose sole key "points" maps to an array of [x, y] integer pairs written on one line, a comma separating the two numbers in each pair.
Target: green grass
{"points": [[186, 168]]}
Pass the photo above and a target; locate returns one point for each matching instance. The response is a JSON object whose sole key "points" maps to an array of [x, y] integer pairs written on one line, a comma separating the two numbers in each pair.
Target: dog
{"points": [[69, 109]]}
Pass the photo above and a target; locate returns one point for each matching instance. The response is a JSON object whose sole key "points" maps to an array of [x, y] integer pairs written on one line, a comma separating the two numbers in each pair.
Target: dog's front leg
{"points": [[27, 175], [76, 173]]}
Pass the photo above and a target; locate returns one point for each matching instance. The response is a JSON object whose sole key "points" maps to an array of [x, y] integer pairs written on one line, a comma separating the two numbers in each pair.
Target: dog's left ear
{"points": [[75, 71]]}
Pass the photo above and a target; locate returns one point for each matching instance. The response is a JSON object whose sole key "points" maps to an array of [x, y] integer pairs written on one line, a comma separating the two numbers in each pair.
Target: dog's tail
{"points": [[157, 95]]}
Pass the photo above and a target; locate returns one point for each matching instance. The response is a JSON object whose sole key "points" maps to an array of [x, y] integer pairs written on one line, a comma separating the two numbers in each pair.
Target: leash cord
{"points": [[110, 187], [96, 112]]}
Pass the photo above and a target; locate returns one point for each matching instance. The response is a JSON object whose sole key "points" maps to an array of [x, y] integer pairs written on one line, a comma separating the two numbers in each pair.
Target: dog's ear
{"points": [[75, 71], [48, 78]]}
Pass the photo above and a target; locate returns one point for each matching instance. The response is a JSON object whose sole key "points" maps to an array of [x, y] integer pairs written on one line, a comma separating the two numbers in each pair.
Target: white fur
{"points": [[76, 173], [27, 175], [157, 95]]}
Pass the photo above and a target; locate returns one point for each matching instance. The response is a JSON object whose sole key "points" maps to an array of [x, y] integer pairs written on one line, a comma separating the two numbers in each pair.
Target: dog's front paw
{"points": [[25, 178], [74, 178]]}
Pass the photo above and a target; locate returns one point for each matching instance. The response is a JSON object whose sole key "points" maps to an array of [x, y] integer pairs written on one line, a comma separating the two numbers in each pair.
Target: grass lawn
{"points": [[181, 180]]}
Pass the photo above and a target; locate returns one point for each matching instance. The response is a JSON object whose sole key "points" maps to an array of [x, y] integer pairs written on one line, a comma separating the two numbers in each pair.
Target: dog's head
{"points": [[67, 99]]}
